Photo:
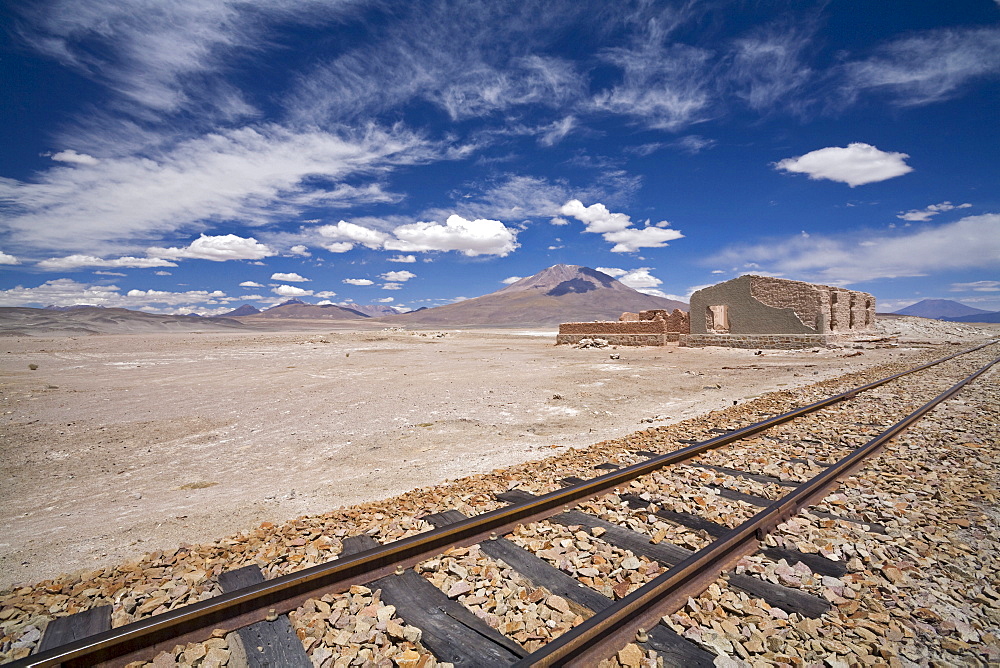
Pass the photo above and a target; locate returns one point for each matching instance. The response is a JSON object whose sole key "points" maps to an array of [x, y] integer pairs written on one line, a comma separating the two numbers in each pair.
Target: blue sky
{"points": [[193, 155]]}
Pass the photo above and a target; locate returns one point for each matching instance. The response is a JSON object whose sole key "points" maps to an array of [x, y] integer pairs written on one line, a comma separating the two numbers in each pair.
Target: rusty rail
{"points": [[610, 629], [147, 637]]}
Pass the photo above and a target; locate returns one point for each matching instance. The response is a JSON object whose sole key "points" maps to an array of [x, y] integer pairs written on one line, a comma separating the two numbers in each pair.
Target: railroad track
{"points": [[656, 579]]}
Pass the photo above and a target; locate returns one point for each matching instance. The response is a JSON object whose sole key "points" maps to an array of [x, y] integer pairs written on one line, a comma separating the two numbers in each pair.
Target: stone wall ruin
{"points": [[765, 312], [647, 328]]}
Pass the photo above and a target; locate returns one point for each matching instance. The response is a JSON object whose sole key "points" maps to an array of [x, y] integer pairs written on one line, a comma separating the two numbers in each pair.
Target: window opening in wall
{"points": [[833, 311], [851, 323], [717, 319]]}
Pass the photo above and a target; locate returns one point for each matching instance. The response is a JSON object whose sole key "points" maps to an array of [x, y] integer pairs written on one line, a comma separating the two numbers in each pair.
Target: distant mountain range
{"points": [[561, 293], [949, 309]]}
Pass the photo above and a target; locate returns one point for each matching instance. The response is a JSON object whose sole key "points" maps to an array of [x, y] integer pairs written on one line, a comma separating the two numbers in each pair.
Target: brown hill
{"points": [[24, 321], [298, 310], [561, 293]]}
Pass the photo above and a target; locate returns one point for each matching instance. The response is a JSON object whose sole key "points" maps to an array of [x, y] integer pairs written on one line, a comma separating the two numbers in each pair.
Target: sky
{"points": [[190, 156]]}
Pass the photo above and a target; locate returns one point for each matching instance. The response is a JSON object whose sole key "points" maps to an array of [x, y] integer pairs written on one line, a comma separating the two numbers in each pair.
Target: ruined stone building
{"points": [[646, 328], [763, 312]]}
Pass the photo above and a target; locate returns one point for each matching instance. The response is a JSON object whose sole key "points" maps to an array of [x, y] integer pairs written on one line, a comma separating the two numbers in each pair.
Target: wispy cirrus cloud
{"points": [[972, 242], [165, 57], [253, 175], [927, 67]]}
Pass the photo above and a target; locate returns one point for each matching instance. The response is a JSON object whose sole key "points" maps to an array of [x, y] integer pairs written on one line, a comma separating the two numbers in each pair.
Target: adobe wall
{"points": [[769, 341], [764, 306], [647, 328]]}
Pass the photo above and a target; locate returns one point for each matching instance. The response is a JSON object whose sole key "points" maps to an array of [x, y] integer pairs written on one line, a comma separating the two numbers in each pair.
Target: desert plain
{"points": [[117, 445]]}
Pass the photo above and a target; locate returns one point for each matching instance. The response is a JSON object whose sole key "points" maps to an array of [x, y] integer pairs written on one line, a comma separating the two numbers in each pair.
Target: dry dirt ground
{"points": [[121, 444]]}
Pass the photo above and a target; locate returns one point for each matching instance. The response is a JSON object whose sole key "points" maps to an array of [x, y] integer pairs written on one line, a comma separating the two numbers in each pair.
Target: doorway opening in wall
{"points": [[717, 319]]}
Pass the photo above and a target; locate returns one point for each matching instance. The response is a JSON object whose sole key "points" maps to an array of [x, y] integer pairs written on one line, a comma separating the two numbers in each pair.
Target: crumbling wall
{"points": [[762, 305], [647, 328]]}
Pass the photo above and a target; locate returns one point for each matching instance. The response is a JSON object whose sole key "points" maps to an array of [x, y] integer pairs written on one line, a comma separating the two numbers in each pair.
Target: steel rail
{"points": [[602, 635], [145, 638]]}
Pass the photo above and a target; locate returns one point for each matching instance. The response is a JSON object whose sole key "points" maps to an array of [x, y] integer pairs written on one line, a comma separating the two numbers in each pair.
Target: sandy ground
{"points": [[122, 444]]}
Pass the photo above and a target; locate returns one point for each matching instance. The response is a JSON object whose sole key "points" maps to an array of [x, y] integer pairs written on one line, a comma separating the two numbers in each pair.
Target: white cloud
{"points": [[8, 259], [972, 242], [398, 276], [72, 156], [254, 175], [218, 249], [693, 144], [250, 284], [596, 217], [557, 131], [109, 273], [928, 67], [71, 262], [405, 259], [385, 300], [358, 281], [469, 237], [613, 272], [163, 273], [639, 278], [135, 298], [923, 215], [291, 291], [326, 294], [855, 165], [559, 221], [666, 86], [977, 286], [299, 249], [632, 239], [344, 235], [617, 228], [510, 280], [392, 286], [164, 56], [67, 292], [292, 277]]}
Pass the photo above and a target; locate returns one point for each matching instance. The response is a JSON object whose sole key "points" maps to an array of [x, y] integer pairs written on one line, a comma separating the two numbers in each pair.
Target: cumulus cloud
{"points": [[218, 249], [596, 217], [855, 165], [251, 284], [291, 277], [299, 249], [344, 235], [385, 300], [617, 228], [291, 291], [634, 278], [510, 280], [397, 276], [923, 215], [67, 292], [72, 156], [970, 243], [358, 281], [469, 237], [71, 262], [326, 294], [405, 259], [5, 258], [392, 286]]}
